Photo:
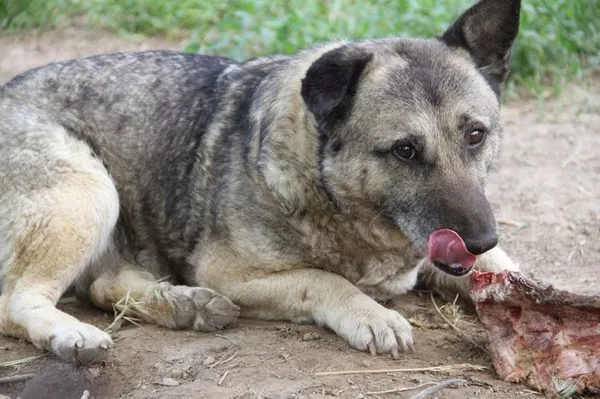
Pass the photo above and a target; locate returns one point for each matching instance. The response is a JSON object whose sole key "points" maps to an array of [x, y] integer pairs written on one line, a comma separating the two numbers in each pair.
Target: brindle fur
{"points": [[269, 183]]}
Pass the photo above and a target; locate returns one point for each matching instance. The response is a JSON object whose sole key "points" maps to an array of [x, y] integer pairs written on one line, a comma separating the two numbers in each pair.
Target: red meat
{"points": [[537, 332]]}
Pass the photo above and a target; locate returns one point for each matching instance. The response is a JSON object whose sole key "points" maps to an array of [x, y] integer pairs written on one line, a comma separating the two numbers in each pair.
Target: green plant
{"points": [[559, 40]]}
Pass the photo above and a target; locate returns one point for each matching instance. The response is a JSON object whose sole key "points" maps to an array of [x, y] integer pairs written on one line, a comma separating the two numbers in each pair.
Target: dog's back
{"points": [[140, 106], [144, 116]]}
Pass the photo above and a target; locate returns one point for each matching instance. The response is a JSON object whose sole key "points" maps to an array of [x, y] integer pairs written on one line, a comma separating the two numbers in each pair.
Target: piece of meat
{"points": [[537, 332]]}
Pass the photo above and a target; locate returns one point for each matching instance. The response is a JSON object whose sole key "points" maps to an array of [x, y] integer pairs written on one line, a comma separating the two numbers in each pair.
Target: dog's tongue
{"points": [[446, 246]]}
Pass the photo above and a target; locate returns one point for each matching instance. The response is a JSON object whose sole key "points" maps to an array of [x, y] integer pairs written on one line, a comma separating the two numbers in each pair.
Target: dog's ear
{"points": [[331, 83], [487, 31]]}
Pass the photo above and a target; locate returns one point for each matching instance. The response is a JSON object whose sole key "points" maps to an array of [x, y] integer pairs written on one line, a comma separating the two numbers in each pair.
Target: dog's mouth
{"points": [[453, 269], [448, 252]]}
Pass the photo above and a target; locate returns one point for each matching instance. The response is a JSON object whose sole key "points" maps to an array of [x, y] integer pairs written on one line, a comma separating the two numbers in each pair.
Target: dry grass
{"points": [[18, 362], [123, 310], [451, 315], [434, 369]]}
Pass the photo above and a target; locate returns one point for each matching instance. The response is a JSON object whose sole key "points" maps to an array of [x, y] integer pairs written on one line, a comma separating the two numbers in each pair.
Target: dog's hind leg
{"points": [[171, 306], [58, 207]]}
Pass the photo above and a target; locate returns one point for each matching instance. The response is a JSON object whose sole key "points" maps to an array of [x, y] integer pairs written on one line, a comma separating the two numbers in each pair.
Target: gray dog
{"points": [[303, 188]]}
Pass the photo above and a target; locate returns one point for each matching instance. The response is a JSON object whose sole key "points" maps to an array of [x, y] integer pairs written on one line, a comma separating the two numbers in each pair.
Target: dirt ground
{"points": [[546, 194]]}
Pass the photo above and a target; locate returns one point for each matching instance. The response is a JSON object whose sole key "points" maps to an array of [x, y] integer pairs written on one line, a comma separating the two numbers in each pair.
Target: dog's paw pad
{"points": [[209, 310], [80, 343]]}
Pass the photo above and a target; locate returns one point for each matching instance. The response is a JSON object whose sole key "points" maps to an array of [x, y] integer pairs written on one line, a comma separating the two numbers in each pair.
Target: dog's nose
{"points": [[481, 244]]}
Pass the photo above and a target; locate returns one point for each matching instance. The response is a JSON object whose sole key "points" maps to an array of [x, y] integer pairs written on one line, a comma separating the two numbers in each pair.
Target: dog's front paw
{"points": [[366, 325], [80, 343]]}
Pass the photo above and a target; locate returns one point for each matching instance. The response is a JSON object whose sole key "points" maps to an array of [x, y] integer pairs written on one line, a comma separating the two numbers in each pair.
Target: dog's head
{"points": [[409, 128]]}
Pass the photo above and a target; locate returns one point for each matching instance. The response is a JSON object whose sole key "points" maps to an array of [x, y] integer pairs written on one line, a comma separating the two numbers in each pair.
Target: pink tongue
{"points": [[446, 246]]}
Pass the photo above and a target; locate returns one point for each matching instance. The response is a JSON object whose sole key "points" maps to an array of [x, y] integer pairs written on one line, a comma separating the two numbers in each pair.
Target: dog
{"points": [[309, 187]]}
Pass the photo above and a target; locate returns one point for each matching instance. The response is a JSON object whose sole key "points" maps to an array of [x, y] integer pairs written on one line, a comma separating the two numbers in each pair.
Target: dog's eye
{"points": [[404, 152], [476, 137]]}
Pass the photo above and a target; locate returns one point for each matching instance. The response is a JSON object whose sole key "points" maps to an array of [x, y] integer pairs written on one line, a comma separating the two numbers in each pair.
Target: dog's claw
{"points": [[372, 348], [394, 352]]}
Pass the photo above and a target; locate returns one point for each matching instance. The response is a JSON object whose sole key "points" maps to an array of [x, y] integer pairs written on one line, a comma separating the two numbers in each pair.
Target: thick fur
{"points": [[268, 188]]}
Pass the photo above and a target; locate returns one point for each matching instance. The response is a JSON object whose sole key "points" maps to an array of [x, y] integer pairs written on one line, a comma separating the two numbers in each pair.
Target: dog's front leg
{"points": [[305, 295], [494, 260]]}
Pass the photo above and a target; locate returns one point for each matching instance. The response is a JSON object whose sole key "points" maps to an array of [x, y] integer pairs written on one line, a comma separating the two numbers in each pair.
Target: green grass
{"points": [[559, 39]]}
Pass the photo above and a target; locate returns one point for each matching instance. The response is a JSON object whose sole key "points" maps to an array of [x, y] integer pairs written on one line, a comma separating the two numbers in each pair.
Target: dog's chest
{"points": [[386, 276], [381, 262]]}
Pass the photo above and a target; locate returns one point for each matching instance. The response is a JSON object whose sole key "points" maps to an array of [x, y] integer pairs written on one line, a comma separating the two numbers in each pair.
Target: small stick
{"points": [[452, 367], [227, 338], [438, 387], [458, 330], [509, 222], [223, 378], [16, 378], [533, 392], [573, 157], [17, 362], [400, 389], [156, 391], [224, 361]]}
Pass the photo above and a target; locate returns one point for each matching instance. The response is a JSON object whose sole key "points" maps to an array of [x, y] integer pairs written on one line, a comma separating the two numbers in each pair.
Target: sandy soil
{"points": [[546, 193]]}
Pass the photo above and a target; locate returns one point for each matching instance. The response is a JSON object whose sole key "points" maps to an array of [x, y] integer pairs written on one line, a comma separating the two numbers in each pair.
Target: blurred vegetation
{"points": [[559, 39]]}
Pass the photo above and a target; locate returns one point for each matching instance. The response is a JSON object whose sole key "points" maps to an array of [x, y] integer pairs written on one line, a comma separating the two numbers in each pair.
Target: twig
{"points": [[509, 222], [479, 383], [533, 392], [440, 369], [156, 391], [17, 362], [458, 330], [574, 155], [438, 387], [223, 378], [16, 378], [396, 390], [224, 361], [427, 325], [228, 339]]}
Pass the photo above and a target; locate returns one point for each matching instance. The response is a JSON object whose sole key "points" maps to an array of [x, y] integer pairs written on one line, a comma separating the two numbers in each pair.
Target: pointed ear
{"points": [[487, 31], [331, 82]]}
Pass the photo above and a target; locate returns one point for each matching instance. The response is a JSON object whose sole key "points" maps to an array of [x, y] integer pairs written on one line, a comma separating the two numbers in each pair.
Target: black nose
{"points": [[481, 244]]}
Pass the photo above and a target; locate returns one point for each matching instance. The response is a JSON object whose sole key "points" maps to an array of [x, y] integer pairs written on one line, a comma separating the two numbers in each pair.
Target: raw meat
{"points": [[537, 333]]}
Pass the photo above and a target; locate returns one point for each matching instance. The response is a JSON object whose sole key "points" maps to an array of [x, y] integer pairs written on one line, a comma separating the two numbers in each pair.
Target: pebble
{"points": [[311, 336], [168, 382], [94, 372], [177, 372], [174, 357]]}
